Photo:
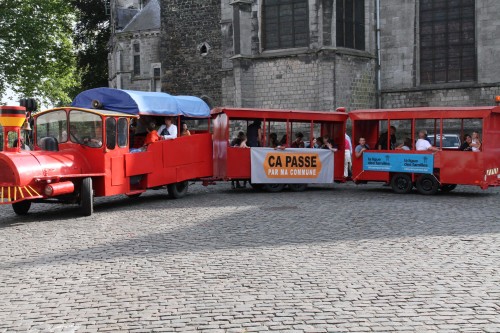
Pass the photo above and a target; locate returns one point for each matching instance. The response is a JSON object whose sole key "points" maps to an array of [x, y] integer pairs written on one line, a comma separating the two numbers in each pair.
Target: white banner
{"points": [[291, 166]]}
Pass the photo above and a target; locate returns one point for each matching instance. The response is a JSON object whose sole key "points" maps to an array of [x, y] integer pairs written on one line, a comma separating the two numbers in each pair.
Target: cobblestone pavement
{"points": [[333, 259]]}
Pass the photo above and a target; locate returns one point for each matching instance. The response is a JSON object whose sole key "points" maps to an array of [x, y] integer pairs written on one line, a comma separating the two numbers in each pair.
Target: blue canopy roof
{"points": [[143, 103]]}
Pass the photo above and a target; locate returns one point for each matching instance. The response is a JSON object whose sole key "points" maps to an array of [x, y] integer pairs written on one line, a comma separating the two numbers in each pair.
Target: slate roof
{"points": [[147, 19]]}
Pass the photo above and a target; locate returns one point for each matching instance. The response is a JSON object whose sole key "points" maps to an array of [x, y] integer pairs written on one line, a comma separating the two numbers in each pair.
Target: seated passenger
{"points": [[283, 140], [86, 140], [298, 143], [168, 131], [406, 145], [467, 145], [22, 143], [319, 142], [423, 144], [243, 141], [273, 140], [150, 138], [312, 143], [361, 147], [152, 134], [184, 129], [237, 140], [329, 144], [382, 143], [476, 142]]}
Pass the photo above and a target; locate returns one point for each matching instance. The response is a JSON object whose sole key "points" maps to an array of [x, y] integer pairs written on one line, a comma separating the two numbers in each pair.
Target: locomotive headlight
{"points": [[49, 190]]}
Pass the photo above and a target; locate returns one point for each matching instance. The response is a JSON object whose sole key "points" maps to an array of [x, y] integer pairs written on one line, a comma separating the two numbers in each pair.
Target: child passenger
{"points": [[150, 138], [152, 134]]}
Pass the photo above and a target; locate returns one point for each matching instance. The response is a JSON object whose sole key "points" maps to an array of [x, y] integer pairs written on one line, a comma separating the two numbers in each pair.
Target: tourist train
{"points": [[96, 148]]}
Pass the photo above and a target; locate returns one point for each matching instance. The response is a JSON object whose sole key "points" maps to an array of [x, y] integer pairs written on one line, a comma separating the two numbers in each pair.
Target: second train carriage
{"points": [[232, 163]]}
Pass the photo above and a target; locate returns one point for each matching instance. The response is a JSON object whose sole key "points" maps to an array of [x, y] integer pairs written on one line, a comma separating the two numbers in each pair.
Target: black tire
{"points": [[178, 190], [133, 196], [21, 207], [86, 197], [448, 187], [257, 187], [274, 188], [401, 183], [427, 184], [297, 187]]}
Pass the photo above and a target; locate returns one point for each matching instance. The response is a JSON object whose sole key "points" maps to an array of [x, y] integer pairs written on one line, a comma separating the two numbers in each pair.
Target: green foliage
{"points": [[36, 48], [92, 35]]}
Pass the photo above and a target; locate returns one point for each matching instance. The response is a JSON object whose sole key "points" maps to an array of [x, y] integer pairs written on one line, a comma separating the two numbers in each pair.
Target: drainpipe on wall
{"points": [[377, 37]]}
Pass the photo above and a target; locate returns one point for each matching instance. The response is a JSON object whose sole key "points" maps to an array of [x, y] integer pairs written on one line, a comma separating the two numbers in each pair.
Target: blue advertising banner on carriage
{"points": [[389, 162]]}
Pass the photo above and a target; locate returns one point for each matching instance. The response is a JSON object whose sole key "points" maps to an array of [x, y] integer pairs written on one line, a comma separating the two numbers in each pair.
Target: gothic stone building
{"points": [[322, 54], [134, 59]]}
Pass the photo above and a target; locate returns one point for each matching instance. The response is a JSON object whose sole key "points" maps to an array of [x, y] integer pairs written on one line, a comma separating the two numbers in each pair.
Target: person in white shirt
{"points": [[476, 142], [168, 131], [423, 144]]}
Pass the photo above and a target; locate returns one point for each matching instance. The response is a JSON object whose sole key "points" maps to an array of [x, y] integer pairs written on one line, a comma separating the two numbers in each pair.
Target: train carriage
{"points": [[234, 163], [428, 171]]}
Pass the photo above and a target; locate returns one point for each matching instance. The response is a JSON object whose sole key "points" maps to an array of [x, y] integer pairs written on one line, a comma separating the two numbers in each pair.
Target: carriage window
{"points": [[53, 124], [430, 126], [452, 134], [276, 133], [472, 125], [85, 128], [194, 125], [246, 128], [300, 134], [110, 133], [403, 134], [122, 132]]}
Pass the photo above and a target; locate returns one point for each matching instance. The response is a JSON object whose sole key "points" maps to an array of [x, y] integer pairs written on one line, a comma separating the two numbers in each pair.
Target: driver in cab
{"points": [[93, 142]]}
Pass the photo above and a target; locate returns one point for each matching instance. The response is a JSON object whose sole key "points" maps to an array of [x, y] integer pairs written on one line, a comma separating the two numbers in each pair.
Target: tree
{"points": [[92, 35], [36, 53]]}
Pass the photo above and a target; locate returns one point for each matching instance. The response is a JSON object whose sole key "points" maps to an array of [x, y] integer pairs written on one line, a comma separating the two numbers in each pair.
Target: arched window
{"points": [[285, 24]]}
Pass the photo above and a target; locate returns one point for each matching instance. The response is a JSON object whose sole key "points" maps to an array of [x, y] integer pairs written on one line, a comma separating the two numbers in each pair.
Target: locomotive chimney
{"points": [[11, 119]]}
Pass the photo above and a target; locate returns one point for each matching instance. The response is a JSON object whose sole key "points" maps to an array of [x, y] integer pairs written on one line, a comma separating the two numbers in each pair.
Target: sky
{"points": [[9, 98]]}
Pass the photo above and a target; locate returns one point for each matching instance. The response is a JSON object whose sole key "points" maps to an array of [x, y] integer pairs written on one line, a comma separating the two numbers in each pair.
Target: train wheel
{"points": [[257, 187], [297, 187], [274, 187], [178, 190], [401, 183], [448, 187], [427, 184], [21, 207], [86, 197]]}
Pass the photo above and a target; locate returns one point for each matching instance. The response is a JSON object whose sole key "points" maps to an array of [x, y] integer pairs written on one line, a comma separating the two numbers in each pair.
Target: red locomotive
{"points": [[82, 152]]}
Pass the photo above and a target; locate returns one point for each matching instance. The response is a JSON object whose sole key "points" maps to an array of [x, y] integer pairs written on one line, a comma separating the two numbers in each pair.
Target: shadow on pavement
{"points": [[281, 219]]}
